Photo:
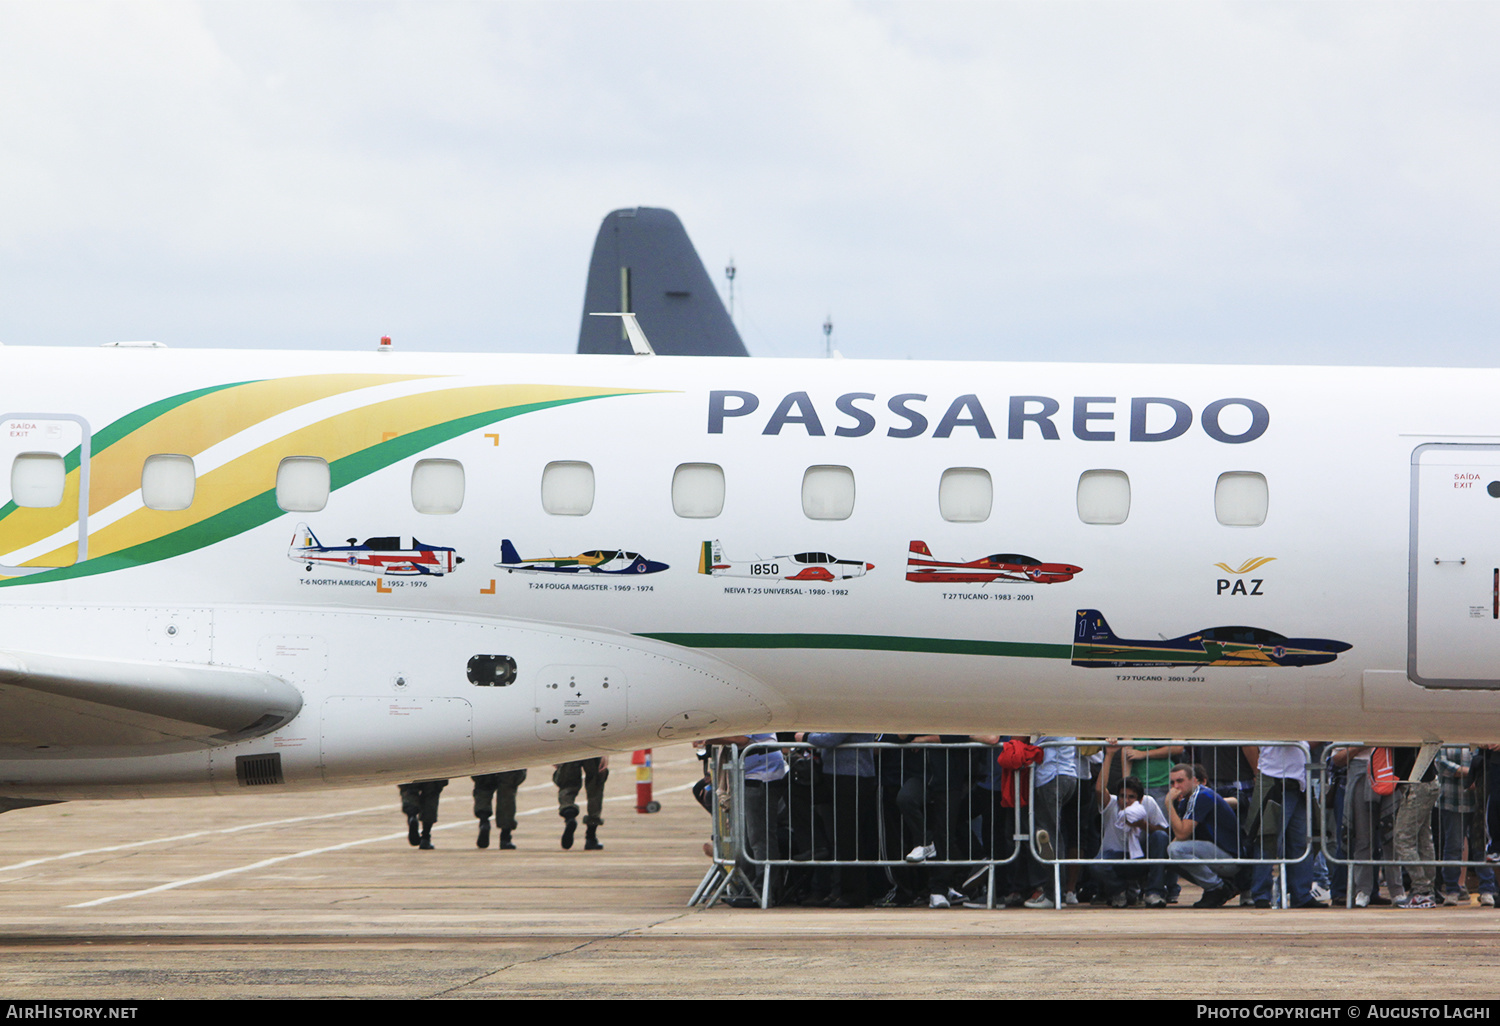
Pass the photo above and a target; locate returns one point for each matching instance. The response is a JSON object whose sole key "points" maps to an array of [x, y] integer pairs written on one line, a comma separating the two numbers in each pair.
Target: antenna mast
{"points": [[729, 273]]}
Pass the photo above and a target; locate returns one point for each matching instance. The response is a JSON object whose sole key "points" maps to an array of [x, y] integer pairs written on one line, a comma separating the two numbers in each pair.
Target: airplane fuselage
{"points": [[1384, 533]]}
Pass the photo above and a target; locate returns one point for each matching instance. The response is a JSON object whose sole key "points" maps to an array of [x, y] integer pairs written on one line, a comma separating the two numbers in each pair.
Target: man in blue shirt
{"points": [[1205, 832]]}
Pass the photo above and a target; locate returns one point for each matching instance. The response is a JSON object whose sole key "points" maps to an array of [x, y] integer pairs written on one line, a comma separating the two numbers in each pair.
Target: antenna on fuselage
{"points": [[639, 344]]}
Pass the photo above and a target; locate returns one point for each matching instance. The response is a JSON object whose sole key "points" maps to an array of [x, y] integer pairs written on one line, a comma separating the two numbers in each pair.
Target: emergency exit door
{"points": [[1453, 632], [44, 475]]}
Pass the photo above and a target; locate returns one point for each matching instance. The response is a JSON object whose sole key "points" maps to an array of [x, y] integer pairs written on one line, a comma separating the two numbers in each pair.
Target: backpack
{"points": [[1383, 777]]}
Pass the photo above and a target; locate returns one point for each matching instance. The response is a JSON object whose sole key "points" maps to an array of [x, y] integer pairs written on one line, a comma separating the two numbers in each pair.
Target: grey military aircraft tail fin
{"points": [[645, 263]]}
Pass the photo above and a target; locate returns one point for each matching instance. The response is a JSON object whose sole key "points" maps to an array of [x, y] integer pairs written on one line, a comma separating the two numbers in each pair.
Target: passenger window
{"points": [[568, 488], [828, 493], [37, 480], [437, 486], [965, 495], [1241, 499], [302, 484], [1103, 496], [698, 490], [168, 482]]}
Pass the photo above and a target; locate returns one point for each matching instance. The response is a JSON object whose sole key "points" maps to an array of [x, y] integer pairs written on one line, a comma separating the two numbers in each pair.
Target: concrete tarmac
{"points": [[320, 895]]}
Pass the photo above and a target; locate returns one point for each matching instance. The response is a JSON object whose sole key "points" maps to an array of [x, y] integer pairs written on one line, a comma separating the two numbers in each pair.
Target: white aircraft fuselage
{"points": [[1380, 534]]}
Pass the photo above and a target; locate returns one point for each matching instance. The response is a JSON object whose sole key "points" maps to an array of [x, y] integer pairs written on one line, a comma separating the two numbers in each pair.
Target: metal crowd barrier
{"points": [[1360, 829], [845, 811], [1256, 799], [842, 819]]}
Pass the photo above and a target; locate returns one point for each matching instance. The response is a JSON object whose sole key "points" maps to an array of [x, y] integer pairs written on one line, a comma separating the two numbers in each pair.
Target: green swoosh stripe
{"points": [[261, 509], [870, 643]]}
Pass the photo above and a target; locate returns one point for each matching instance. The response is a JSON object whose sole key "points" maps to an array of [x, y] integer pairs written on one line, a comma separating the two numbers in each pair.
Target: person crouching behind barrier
{"points": [[1134, 827], [1205, 835]]}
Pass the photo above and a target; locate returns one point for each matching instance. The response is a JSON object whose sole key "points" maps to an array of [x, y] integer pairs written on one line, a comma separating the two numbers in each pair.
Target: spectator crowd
{"points": [[847, 820]]}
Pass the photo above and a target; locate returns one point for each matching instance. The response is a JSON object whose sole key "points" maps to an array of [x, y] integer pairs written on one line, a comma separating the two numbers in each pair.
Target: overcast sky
{"points": [[1307, 183]]}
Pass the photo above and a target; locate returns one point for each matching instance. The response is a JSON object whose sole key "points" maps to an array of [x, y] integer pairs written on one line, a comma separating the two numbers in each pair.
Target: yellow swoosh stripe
{"points": [[193, 427], [187, 430], [331, 439]]}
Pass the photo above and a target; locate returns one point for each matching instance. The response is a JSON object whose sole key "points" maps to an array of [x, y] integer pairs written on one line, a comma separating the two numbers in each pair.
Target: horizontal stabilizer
{"points": [[51, 701]]}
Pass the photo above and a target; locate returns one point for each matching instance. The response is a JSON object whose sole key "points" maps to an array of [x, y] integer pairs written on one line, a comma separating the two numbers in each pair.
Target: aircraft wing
{"points": [[51, 701]]}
